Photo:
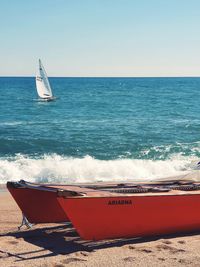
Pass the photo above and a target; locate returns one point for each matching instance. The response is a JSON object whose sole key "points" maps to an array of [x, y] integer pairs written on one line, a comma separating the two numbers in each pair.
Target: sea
{"points": [[99, 129]]}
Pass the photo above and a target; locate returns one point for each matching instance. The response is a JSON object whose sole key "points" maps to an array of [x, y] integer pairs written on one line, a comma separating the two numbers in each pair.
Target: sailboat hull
{"points": [[47, 99], [97, 218]]}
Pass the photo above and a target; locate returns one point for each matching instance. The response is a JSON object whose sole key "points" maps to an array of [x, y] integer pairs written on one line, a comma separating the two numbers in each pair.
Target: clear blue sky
{"points": [[100, 37]]}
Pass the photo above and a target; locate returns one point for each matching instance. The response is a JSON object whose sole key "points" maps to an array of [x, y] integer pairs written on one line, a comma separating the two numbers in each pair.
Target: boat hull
{"points": [[38, 206], [134, 216]]}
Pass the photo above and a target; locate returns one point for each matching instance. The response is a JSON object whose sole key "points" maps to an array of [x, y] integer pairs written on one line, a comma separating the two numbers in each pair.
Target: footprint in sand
{"points": [[70, 260], [129, 246], [181, 242], [13, 242], [184, 261], [129, 259], [171, 249], [82, 253], [59, 265], [161, 259], [166, 242], [143, 249], [140, 249]]}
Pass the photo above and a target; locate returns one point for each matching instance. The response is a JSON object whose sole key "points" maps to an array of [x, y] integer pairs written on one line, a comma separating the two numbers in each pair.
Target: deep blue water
{"points": [[102, 118]]}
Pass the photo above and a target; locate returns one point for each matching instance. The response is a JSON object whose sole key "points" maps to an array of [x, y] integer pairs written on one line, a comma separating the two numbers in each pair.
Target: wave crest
{"points": [[58, 169]]}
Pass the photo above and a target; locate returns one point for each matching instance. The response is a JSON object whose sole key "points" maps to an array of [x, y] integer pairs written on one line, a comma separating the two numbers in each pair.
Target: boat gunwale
{"points": [[101, 191]]}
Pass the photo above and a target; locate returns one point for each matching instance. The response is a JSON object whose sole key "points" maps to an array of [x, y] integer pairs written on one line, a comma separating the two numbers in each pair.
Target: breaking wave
{"points": [[59, 169]]}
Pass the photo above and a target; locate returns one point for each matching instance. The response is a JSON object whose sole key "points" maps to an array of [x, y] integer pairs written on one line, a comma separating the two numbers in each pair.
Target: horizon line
{"points": [[28, 76]]}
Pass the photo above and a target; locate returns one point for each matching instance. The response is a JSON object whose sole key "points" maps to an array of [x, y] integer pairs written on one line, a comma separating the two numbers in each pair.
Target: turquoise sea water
{"points": [[99, 129]]}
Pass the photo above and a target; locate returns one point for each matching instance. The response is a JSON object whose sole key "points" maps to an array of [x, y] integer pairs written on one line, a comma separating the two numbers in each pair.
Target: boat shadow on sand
{"points": [[64, 240]]}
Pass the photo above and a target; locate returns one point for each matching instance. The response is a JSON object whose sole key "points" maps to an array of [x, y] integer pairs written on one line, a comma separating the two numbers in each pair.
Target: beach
{"points": [[99, 128], [58, 245]]}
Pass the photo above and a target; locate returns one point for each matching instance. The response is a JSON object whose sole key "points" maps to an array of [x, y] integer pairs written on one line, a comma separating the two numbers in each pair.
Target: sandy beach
{"points": [[58, 245]]}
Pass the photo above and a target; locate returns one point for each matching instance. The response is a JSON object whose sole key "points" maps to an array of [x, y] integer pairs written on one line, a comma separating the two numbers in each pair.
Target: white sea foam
{"points": [[55, 168]]}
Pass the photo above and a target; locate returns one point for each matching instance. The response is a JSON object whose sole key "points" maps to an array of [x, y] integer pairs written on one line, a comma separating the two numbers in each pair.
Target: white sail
{"points": [[42, 83]]}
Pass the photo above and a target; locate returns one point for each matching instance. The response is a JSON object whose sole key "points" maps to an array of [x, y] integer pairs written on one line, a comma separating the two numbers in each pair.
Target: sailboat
{"points": [[42, 84]]}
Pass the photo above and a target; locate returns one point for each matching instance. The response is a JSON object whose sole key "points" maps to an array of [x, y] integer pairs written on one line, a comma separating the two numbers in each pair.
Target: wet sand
{"points": [[59, 245]]}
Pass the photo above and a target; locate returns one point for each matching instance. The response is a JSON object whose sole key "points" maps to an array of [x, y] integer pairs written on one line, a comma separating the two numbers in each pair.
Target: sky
{"points": [[123, 38]]}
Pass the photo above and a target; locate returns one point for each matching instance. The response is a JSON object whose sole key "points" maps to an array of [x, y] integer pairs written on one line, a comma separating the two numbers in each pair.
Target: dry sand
{"points": [[59, 245]]}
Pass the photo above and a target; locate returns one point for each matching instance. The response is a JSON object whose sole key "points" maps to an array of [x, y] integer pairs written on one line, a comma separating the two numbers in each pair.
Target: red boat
{"points": [[133, 211], [38, 203]]}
